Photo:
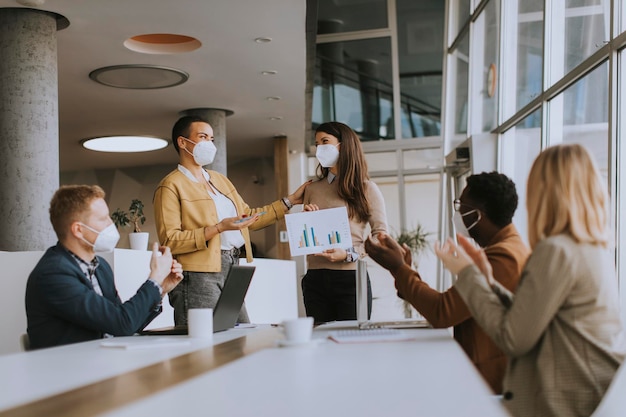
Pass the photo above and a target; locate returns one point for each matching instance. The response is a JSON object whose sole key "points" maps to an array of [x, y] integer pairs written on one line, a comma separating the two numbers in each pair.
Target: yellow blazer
{"points": [[183, 208]]}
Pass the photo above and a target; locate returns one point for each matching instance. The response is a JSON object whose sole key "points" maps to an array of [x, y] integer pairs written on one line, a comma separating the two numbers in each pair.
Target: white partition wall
{"points": [[15, 267]]}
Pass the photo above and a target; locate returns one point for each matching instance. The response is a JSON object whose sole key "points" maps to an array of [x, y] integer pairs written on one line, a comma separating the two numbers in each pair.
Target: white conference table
{"points": [[245, 373]]}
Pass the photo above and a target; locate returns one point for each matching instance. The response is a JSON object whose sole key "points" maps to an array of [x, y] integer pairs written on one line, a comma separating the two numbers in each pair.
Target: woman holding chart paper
{"points": [[329, 286]]}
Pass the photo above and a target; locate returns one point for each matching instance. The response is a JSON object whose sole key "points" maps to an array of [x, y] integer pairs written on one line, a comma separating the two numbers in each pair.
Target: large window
{"points": [[459, 15], [420, 56], [335, 16], [520, 146], [460, 74], [353, 85], [587, 27], [529, 63], [380, 74], [487, 50], [585, 114]]}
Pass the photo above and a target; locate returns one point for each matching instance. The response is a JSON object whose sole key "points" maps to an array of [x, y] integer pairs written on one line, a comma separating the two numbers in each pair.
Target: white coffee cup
{"points": [[200, 323], [298, 330]]}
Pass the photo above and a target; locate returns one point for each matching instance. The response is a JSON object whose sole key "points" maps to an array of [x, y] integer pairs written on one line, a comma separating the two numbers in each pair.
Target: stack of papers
{"points": [[369, 335]]}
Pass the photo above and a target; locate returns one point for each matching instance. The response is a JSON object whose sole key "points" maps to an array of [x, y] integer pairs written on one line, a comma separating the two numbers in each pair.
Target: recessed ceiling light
{"points": [[269, 72], [272, 98], [262, 40], [276, 118], [125, 144], [162, 43], [139, 76]]}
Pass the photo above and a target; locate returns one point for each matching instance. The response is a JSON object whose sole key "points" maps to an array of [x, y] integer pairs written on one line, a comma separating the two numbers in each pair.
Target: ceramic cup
{"points": [[298, 330], [200, 322]]}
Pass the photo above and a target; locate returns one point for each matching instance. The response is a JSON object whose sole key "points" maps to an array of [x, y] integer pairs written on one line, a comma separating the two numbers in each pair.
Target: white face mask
{"points": [[106, 240], [459, 225], [203, 153], [327, 155]]}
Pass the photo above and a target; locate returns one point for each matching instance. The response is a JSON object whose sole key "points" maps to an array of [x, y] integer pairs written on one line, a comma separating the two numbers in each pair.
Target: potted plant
{"points": [[134, 215], [417, 242]]}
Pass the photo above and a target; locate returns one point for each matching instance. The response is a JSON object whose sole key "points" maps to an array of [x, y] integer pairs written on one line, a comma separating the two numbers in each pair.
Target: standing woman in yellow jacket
{"points": [[204, 221], [329, 286]]}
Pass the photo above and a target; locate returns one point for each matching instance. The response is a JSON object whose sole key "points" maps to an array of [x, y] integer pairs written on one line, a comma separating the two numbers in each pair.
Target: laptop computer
{"points": [[226, 310]]}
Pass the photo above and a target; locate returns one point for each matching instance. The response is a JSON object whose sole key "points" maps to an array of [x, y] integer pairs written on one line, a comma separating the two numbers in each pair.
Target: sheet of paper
{"points": [[315, 231], [140, 342]]}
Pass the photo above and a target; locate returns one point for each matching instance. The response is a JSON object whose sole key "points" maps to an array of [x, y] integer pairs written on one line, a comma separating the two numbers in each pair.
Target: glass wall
{"points": [[460, 87], [587, 28], [459, 15], [585, 107], [347, 16], [529, 43], [380, 72], [519, 148], [357, 90], [487, 49], [420, 57]]}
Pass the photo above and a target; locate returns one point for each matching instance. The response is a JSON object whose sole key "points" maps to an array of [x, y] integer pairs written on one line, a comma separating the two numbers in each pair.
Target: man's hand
{"points": [[164, 270], [386, 252], [174, 278]]}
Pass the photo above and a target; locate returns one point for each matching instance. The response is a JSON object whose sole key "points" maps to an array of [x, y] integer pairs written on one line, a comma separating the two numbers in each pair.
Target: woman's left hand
{"points": [[298, 196], [334, 255]]}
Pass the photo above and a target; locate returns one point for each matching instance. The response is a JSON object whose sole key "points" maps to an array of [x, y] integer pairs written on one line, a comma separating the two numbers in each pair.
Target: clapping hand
{"points": [[387, 252], [164, 269], [457, 257]]}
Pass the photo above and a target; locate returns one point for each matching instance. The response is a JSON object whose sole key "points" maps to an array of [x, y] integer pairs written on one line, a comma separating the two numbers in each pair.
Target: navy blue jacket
{"points": [[63, 308]]}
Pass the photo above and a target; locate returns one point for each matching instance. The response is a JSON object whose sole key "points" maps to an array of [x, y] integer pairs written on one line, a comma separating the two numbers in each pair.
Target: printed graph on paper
{"points": [[315, 231]]}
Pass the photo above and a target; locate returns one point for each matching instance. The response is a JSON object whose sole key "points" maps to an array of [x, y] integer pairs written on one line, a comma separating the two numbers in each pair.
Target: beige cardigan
{"points": [[561, 330]]}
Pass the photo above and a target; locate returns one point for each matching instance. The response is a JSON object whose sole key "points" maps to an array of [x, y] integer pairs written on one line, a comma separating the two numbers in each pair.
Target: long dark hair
{"points": [[351, 169]]}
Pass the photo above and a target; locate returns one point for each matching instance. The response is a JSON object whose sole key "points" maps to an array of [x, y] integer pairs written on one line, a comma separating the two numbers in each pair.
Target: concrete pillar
{"points": [[217, 120], [29, 126]]}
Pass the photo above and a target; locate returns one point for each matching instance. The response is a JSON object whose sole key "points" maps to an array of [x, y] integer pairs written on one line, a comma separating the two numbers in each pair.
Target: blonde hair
{"points": [[566, 194]]}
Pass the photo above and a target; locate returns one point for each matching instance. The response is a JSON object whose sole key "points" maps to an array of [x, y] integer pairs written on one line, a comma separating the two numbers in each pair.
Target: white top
{"points": [[225, 208]]}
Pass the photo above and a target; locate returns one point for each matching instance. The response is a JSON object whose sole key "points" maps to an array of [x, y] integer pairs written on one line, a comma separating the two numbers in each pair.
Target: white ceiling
{"points": [[225, 73]]}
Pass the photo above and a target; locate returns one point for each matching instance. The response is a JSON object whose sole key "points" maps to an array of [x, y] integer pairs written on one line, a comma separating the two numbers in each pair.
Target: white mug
{"points": [[298, 330], [200, 323]]}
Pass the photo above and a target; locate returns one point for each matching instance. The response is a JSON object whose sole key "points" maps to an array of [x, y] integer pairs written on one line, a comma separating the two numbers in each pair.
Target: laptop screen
{"points": [[229, 304]]}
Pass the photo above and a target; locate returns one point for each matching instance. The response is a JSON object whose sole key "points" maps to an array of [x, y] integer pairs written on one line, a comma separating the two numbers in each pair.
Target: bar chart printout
{"points": [[315, 231]]}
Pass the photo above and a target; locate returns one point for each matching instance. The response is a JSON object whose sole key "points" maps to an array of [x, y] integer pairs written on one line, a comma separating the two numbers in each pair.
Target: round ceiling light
{"points": [[125, 144], [139, 76], [162, 43]]}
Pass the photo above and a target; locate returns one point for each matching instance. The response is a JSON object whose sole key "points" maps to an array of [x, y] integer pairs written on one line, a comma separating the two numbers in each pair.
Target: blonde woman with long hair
{"points": [[561, 330]]}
